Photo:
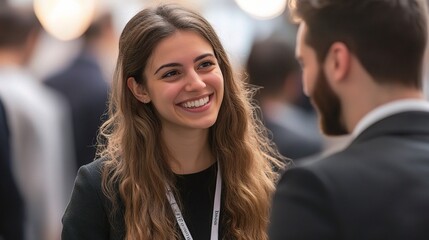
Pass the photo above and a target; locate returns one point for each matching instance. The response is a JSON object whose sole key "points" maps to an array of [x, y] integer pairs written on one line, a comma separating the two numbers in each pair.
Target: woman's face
{"points": [[184, 81]]}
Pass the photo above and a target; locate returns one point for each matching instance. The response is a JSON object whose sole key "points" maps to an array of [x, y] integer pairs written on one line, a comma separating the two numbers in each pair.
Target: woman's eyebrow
{"points": [[167, 65], [178, 64]]}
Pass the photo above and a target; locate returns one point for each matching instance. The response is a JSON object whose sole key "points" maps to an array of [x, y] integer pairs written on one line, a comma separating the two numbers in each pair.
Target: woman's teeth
{"points": [[196, 103]]}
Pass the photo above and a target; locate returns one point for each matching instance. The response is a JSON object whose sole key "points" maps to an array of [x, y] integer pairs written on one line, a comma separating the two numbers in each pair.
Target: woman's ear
{"points": [[138, 90]]}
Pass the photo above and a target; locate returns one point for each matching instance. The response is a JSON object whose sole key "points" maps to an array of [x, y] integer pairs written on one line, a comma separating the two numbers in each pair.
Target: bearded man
{"points": [[362, 64]]}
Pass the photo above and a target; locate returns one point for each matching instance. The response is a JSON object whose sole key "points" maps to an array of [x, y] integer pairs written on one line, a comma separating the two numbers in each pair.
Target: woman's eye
{"points": [[206, 64], [170, 74]]}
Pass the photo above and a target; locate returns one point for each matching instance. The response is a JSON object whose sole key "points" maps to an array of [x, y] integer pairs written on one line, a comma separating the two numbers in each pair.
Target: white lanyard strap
{"points": [[216, 210]]}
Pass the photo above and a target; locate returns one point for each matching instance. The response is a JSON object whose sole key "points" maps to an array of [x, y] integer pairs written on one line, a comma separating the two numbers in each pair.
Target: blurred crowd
{"points": [[48, 126]]}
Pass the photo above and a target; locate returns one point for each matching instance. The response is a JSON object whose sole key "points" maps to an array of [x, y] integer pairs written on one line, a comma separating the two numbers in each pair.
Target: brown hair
{"points": [[16, 25], [137, 158], [270, 62], [387, 36]]}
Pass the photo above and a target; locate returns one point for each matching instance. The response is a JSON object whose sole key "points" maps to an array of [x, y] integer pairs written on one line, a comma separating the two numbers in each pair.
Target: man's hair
{"points": [[270, 62], [16, 25], [99, 26], [387, 36]]}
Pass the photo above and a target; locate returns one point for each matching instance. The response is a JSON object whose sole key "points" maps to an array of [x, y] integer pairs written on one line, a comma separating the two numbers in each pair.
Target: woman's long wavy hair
{"points": [[136, 159]]}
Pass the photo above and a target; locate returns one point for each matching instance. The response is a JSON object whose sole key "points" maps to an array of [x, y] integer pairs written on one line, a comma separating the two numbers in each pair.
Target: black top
{"points": [[87, 214], [197, 195]]}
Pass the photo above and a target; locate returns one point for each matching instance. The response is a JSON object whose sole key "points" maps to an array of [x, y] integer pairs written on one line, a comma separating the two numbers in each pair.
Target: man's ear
{"points": [[337, 62], [138, 90]]}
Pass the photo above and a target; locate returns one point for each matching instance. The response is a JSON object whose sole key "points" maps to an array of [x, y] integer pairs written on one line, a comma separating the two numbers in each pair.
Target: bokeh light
{"points": [[65, 19], [262, 9]]}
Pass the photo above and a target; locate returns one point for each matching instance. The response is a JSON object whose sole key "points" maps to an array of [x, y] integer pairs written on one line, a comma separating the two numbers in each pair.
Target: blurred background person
{"points": [[39, 128], [11, 203], [272, 65], [85, 86]]}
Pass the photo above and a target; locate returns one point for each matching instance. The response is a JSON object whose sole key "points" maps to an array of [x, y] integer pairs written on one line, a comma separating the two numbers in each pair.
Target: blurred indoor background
{"points": [[238, 22]]}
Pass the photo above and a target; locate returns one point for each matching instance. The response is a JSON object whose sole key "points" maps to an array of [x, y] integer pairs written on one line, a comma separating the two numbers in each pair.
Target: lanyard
{"points": [[216, 210]]}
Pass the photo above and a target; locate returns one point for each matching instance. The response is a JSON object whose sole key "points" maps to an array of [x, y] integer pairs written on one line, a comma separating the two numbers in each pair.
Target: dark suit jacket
{"points": [[90, 207], [11, 203], [85, 89], [375, 189]]}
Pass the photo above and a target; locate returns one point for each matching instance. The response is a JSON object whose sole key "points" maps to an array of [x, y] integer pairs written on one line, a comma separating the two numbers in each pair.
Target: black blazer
{"points": [[375, 189], [89, 205], [88, 215]]}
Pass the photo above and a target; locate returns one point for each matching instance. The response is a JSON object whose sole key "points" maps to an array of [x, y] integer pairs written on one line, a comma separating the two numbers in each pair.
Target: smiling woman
{"points": [[183, 82], [182, 155]]}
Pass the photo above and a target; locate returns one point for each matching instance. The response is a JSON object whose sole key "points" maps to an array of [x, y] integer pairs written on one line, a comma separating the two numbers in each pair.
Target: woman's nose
{"points": [[194, 82]]}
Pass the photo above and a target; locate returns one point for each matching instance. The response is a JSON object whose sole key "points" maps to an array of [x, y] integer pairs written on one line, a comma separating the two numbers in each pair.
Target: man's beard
{"points": [[328, 106]]}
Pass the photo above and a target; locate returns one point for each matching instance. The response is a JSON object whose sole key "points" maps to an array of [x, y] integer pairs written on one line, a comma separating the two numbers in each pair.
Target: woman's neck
{"points": [[189, 150]]}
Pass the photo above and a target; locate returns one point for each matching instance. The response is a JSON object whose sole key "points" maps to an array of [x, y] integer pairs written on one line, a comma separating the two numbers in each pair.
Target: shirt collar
{"points": [[389, 109]]}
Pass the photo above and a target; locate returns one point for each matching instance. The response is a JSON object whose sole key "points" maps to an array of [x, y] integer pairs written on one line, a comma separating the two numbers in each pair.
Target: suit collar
{"points": [[388, 109], [404, 123]]}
